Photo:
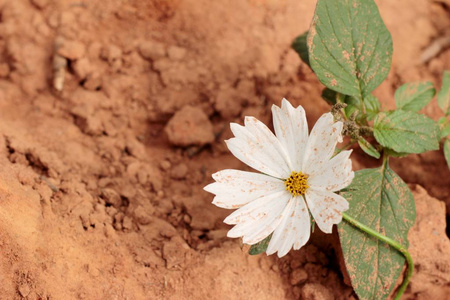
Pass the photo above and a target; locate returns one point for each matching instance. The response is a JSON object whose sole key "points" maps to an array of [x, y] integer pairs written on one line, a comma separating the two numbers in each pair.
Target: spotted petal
{"points": [[333, 175], [234, 188], [291, 130], [321, 142], [326, 208], [256, 146], [256, 220], [293, 231]]}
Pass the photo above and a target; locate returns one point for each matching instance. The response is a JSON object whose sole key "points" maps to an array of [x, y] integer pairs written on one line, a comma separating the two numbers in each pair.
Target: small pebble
{"points": [[176, 53], [152, 50], [24, 290], [298, 276], [190, 126], [179, 171], [72, 50], [165, 165]]}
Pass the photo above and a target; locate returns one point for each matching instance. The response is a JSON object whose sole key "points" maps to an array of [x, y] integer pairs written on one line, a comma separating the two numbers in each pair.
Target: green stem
{"points": [[361, 100], [339, 98], [390, 242]]}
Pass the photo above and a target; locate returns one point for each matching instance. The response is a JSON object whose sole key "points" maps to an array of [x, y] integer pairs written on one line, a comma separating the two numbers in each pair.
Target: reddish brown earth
{"points": [[101, 183]]}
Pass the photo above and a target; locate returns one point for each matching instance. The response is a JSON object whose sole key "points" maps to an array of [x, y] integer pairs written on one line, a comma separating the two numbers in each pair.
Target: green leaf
{"points": [[444, 126], [299, 45], [447, 151], [373, 106], [406, 131], [368, 148], [443, 97], [414, 96], [260, 247], [381, 200], [350, 48]]}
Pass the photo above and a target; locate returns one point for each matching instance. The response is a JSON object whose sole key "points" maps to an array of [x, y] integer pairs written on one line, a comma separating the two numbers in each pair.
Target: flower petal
{"points": [[234, 188], [326, 208], [293, 231], [333, 175], [291, 130], [256, 220], [321, 142], [256, 146]]}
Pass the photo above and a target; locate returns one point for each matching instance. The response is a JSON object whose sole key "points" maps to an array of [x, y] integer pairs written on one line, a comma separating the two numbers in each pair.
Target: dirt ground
{"points": [[101, 181]]}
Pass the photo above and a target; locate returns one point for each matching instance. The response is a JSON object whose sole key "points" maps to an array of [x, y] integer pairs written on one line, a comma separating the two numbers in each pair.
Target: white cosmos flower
{"points": [[300, 177]]}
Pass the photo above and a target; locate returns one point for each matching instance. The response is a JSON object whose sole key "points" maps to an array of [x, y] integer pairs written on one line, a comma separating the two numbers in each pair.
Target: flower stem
{"points": [[390, 242]]}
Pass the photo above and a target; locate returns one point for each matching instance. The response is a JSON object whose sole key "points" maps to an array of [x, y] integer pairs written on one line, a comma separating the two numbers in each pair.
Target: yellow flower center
{"points": [[297, 183]]}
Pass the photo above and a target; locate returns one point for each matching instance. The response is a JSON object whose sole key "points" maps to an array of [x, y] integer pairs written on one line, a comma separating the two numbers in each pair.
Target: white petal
{"points": [[256, 220], [241, 214], [256, 146], [291, 130], [235, 188], [333, 175], [293, 231], [326, 208], [321, 142]]}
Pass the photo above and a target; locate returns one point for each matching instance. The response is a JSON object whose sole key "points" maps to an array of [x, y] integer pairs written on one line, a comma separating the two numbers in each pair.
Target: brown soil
{"points": [[101, 183]]}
